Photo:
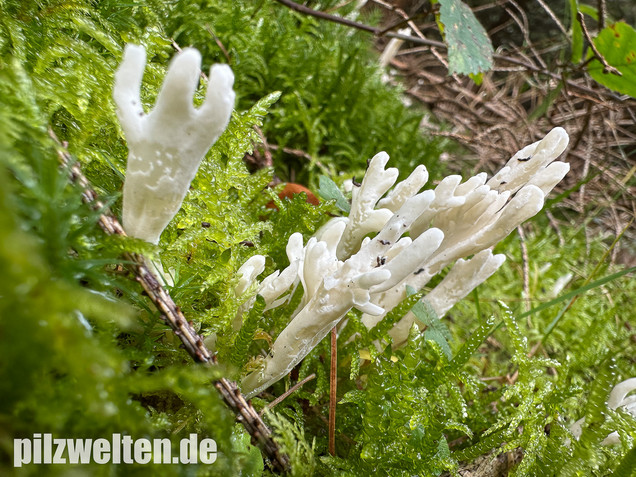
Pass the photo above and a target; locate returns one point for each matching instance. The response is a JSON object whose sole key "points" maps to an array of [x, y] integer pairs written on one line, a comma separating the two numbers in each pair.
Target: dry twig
{"points": [[291, 390], [333, 385], [607, 68]]}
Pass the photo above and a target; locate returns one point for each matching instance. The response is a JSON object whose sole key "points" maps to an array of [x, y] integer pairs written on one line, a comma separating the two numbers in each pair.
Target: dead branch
{"points": [[333, 384], [607, 68], [291, 390], [357, 25]]}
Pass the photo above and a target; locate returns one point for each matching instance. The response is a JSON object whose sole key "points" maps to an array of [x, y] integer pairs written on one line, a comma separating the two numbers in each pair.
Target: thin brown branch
{"points": [[406, 19], [291, 151], [556, 227], [553, 17], [174, 318], [524, 26], [535, 69], [291, 390], [333, 384], [269, 162], [327, 16], [359, 26], [219, 44], [602, 14], [607, 68]]}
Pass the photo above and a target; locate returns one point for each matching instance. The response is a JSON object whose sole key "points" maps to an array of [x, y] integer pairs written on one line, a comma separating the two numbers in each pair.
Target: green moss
{"points": [[83, 352]]}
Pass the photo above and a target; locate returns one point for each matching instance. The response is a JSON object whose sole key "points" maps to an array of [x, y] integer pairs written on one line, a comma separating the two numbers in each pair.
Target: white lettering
{"points": [[116, 449], [127, 449], [207, 451], [101, 451], [79, 450], [60, 445], [42, 448], [143, 451], [37, 449], [162, 451], [188, 449], [47, 448], [21, 452]]}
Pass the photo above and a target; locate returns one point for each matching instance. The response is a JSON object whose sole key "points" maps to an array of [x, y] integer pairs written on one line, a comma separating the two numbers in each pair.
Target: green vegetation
{"points": [[83, 353], [617, 44]]}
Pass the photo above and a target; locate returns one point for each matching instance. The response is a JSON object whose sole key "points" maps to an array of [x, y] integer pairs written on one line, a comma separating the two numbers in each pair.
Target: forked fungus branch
{"points": [[397, 236]]}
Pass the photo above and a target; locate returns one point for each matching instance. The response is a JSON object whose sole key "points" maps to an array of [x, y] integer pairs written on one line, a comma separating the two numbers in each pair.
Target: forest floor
{"points": [[530, 90]]}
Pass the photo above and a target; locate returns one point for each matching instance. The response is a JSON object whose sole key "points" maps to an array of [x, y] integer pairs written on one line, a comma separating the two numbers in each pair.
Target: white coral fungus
{"points": [[166, 145], [367, 260], [619, 398]]}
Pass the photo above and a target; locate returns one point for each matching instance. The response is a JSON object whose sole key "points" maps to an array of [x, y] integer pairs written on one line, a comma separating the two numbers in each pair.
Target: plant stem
{"points": [[607, 68], [333, 384], [294, 388]]}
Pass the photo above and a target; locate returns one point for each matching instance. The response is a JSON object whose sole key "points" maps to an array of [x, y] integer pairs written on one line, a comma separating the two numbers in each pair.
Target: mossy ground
{"points": [[84, 354]]}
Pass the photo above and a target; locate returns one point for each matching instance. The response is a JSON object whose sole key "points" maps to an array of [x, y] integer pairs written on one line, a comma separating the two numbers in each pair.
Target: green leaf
{"points": [[478, 78], [577, 33], [617, 44], [251, 460], [328, 190], [469, 48], [380, 330], [422, 310], [437, 336], [600, 389], [578, 291], [519, 341], [483, 445], [356, 397], [436, 330], [589, 10], [291, 439]]}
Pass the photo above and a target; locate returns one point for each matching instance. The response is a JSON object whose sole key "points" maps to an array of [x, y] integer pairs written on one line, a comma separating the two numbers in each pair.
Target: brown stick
{"points": [[602, 13], [172, 315], [359, 26], [269, 162], [333, 384], [295, 387], [291, 151], [220, 45], [607, 68]]}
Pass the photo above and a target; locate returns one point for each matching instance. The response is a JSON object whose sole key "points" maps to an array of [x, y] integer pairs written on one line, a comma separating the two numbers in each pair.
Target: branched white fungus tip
{"points": [[368, 259], [166, 145]]}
